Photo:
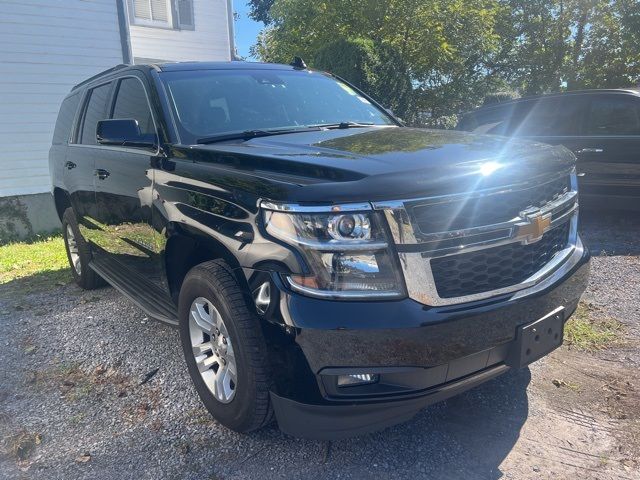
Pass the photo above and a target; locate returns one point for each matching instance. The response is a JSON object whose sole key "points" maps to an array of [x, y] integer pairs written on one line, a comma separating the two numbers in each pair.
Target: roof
{"points": [[186, 66], [631, 90], [232, 65]]}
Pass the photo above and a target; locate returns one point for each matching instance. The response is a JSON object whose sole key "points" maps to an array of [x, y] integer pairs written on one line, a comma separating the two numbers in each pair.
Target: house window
{"points": [[172, 14]]}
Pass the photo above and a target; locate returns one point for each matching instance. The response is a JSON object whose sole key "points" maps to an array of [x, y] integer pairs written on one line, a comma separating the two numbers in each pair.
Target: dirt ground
{"points": [[91, 388]]}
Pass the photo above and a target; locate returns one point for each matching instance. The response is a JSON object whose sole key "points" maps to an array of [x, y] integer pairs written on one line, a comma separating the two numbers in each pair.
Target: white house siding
{"points": [[46, 47], [209, 41]]}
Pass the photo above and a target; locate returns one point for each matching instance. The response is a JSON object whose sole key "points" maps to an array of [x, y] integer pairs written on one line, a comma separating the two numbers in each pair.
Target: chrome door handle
{"points": [[590, 150], [70, 165], [101, 174]]}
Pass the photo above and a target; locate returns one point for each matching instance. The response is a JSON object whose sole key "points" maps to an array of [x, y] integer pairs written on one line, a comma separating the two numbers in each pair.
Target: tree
{"points": [[446, 43], [259, 10], [459, 51], [377, 69]]}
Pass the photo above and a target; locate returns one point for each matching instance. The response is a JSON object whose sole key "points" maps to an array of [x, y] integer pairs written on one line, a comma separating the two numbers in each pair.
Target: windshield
{"points": [[213, 102]]}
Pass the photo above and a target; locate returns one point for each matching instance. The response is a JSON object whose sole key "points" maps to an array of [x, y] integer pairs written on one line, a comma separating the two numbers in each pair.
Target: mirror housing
{"points": [[123, 132]]}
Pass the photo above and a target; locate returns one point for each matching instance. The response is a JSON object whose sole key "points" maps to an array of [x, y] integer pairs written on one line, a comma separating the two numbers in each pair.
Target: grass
{"points": [[589, 330], [35, 265]]}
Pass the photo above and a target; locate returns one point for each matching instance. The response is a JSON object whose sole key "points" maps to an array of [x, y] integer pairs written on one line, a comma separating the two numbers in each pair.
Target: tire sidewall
{"points": [[235, 413], [68, 219]]}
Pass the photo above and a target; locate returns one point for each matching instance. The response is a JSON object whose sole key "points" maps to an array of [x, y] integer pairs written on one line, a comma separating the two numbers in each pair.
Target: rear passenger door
{"points": [[609, 154], [124, 182], [79, 167]]}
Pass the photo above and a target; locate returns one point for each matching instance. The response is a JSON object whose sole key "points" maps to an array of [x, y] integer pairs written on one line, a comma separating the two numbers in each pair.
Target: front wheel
{"points": [[224, 348]]}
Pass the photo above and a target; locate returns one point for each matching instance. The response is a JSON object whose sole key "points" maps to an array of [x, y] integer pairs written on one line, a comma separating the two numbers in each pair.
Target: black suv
{"points": [[321, 261], [602, 128]]}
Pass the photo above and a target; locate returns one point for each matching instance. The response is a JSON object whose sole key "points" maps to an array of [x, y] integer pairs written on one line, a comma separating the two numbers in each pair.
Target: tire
{"points": [[235, 391], [78, 253]]}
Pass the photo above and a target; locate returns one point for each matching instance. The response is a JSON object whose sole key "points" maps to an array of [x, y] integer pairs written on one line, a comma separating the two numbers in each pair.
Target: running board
{"points": [[140, 291]]}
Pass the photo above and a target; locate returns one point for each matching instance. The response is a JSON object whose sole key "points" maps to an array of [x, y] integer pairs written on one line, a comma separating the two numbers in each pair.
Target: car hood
{"points": [[382, 163]]}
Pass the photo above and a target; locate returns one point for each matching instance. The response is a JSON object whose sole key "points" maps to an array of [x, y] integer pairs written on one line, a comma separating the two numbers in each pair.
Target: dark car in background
{"points": [[601, 127], [323, 263]]}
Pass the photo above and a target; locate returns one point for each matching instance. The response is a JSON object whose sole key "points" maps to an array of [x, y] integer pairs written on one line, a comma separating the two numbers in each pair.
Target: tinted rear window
{"points": [[613, 115], [96, 110], [548, 117], [65, 119]]}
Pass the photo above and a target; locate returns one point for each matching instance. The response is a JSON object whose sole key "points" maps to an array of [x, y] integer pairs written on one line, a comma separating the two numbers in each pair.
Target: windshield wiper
{"points": [[343, 125], [249, 134]]}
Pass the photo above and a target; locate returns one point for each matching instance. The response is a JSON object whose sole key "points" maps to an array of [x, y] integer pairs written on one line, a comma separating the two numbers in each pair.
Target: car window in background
{"points": [[96, 110], [493, 120], [65, 119], [613, 115], [548, 117], [211, 102], [131, 103]]}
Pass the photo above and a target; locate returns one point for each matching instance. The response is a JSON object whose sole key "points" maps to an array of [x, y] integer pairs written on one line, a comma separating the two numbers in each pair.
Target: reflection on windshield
{"points": [[212, 102]]}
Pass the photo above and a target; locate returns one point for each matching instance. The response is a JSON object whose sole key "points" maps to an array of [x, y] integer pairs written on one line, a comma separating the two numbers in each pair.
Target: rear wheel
{"points": [[78, 253], [224, 348]]}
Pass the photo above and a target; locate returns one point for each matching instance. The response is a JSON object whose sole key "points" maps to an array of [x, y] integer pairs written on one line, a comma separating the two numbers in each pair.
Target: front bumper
{"points": [[431, 352]]}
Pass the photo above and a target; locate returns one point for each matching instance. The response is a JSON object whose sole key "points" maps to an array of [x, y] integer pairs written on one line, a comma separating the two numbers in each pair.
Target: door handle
{"points": [[70, 165], [590, 150], [101, 174]]}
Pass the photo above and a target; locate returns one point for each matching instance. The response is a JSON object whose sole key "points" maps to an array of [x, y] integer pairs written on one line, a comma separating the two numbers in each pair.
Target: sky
{"points": [[246, 30]]}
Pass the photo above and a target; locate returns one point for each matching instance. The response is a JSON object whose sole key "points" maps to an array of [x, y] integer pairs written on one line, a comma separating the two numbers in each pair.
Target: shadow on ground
{"points": [[611, 232]]}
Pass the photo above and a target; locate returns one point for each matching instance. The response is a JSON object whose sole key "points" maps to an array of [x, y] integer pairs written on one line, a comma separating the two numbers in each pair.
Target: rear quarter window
{"points": [[64, 122], [613, 115]]}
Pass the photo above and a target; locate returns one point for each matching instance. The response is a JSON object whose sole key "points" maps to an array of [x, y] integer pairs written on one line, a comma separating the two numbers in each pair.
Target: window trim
{"points": [[178, 21], [173, 17], [168, 24]]}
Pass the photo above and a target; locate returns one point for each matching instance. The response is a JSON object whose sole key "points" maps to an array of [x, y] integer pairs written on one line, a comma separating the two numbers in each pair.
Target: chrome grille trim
{"points": [[416, 250]]}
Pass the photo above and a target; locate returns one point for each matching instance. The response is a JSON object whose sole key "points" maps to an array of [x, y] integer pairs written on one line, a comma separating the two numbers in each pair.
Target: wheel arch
{"points": [[188, 247], [61, 200]]}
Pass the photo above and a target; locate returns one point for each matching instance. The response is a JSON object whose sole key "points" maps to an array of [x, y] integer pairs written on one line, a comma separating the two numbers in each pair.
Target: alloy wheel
{"points": [[212, 349], [74, 252]]}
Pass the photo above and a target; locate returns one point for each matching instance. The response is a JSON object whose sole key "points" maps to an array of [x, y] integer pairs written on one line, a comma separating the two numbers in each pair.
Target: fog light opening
{"points": [[357, 379]]}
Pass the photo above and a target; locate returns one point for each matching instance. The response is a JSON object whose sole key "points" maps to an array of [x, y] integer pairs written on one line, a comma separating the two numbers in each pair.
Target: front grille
{"points": [[488, 210], [497, 267]]}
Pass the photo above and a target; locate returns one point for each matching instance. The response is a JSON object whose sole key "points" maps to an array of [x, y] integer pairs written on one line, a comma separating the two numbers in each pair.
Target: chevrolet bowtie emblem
{"points": [[533, 230]]}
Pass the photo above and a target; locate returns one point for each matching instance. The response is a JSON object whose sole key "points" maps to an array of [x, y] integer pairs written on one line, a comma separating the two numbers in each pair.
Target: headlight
{"points": [[347, 252]]}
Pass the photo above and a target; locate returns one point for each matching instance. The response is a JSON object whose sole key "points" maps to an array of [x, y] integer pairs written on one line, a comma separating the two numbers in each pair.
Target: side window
{"points": [[65, 119], [493, 120], [548, 117], [131, 103], [96, 110], [613, 115]]}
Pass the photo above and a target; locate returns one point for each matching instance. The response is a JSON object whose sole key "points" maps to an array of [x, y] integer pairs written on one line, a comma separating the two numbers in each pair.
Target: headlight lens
{"points": [[347, 253]]}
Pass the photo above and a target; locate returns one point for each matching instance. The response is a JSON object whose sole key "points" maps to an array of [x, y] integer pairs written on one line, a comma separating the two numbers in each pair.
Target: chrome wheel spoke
{"points": [[212, 349], [202, 318], [205, 363], [202, 348]]}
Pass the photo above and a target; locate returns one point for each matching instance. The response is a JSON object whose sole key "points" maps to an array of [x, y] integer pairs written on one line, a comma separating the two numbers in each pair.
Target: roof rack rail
{"points": [[98, 75]]}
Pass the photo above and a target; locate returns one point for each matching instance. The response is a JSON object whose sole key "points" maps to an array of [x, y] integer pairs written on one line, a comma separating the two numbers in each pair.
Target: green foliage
{"points": [[499, 97], [379, 70], [259, 10], [444, 122], [458, 52]]}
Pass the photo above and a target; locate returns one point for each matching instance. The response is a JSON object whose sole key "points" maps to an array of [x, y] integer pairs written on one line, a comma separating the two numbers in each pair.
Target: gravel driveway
{"points": [[79, 399]]}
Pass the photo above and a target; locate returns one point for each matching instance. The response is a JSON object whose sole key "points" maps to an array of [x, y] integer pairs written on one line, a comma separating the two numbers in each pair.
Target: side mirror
{"points": [[124, 133]]}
